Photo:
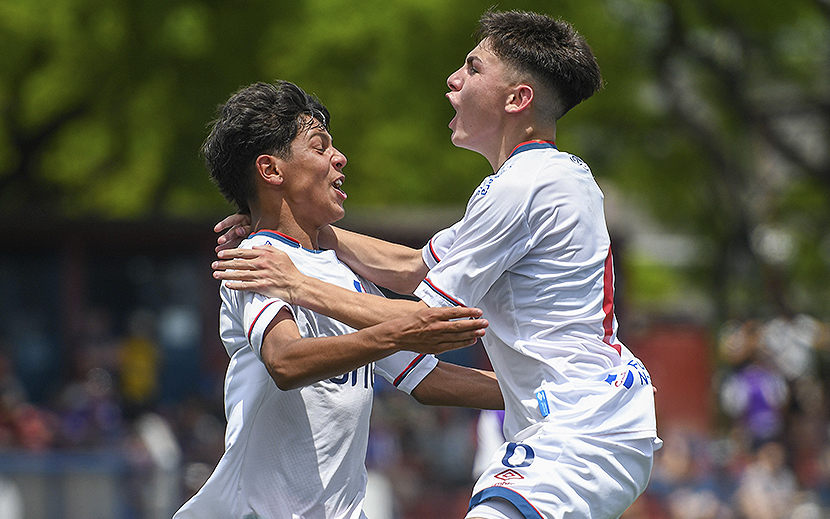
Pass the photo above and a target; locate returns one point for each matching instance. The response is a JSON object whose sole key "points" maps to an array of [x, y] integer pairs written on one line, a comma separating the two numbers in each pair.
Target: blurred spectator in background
{"points": [[791, 342], [139, 363], [684, 484], [767, 489], [753, 393], [11, 502], [22, 424], [90, 414], [797, 345]]}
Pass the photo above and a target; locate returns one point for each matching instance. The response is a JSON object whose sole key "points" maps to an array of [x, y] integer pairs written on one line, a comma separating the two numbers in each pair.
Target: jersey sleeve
{"points": [[258, 313], [248, 312], [405, 369], [439, 245], [253, 312], [491, 237]]}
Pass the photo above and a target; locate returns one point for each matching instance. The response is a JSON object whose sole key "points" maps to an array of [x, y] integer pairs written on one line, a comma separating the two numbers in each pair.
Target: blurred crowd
{"points": [[767, 456], [110, 399]]}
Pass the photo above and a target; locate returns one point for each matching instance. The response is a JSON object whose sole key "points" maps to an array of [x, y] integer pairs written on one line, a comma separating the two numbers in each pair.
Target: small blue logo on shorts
{"points": [[543, 402]]}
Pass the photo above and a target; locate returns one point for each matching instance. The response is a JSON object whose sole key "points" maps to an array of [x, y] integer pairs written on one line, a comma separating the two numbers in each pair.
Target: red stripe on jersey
{"points": [[409, 368], [251, 329], [433, 254], [544, 143], [608, 301]]}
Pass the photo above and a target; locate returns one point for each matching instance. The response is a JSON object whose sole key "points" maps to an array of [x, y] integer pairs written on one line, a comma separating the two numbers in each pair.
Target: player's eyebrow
{"points": [[474, 61]]}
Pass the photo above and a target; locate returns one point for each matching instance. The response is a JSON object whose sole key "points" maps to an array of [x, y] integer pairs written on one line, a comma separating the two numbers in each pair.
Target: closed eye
{"points": [[320, 143], [471, 68]]}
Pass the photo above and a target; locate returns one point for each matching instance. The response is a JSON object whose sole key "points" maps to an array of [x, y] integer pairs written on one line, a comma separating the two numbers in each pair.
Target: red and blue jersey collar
{"points": [[288, 240], [532, 145]]}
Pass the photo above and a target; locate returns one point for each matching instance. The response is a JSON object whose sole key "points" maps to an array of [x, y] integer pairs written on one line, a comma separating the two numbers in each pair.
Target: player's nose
{"points": [[454, 81], [338, 160]]}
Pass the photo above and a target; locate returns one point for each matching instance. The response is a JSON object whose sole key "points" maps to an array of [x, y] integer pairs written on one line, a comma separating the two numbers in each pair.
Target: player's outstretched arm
{"points": [[269, 271], [294, 361], [390, 265], [453, 385]]}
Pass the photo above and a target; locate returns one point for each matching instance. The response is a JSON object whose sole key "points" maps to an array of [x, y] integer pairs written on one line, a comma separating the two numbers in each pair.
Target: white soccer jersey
{"points": [[299, 453], [533, 252]]}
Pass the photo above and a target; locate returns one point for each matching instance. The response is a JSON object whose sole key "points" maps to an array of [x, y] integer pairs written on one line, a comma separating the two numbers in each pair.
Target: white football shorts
{"points": [[547, 476]]}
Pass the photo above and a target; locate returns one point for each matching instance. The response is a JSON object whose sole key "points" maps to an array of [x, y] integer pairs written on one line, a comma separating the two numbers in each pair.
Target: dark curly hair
{"points": [[262, 118]]}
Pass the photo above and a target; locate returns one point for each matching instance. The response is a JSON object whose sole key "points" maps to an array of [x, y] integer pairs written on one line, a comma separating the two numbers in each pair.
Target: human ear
{"points": [[267, 167], [519, 98]]}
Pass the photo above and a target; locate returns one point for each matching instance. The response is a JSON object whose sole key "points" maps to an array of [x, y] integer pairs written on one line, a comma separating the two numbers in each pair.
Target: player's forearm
{"points": [[294, 361], [356, 309], [390, 265], [305, 361], [458, 386]]}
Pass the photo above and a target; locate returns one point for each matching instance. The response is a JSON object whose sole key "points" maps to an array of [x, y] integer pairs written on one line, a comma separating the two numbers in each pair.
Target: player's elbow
{"points": [[282, 383], [283, 367], [411, 274], [286, 382], [283, 376]]}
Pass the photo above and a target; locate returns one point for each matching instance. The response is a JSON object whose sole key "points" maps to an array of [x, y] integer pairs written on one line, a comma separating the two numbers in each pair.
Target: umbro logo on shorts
{"points": [[507, 475]]}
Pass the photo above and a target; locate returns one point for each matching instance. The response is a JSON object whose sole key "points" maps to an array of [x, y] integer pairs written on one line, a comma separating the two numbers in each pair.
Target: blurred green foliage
{"points": [[715, 116]]}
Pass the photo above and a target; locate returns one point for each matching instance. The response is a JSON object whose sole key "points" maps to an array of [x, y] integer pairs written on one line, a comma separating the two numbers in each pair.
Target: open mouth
{"points": [[336, 185], [455, 115]]}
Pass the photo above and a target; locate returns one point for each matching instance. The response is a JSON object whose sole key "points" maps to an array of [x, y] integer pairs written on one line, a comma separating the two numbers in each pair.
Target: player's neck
{"points": [[511, 139], [283, 222]]}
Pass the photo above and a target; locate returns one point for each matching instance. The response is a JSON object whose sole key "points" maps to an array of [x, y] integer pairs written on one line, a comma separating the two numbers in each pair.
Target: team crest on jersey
{"points": [[635, 371], [624, 379]]}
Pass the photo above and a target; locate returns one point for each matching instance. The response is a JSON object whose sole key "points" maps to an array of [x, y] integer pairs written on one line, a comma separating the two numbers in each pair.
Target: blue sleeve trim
{"points": [[511, 496], [441, 293]]}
